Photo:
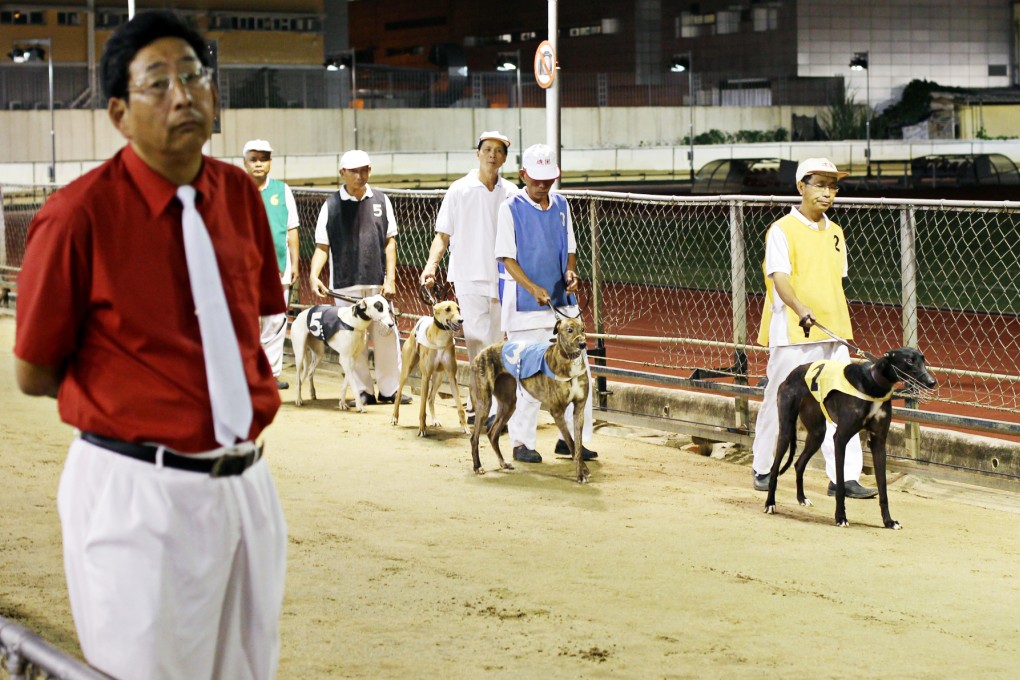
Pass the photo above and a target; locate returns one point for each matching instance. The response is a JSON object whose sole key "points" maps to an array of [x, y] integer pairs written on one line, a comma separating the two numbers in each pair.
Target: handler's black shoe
{"points": [[282, 384], [854, 490], [471, 418], [404, 399], [761, 482], [367, 399], [526, 455], [586, 453]]}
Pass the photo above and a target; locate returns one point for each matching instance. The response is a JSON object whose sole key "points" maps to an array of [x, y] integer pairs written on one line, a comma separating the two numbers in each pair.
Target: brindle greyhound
{"points": [[565, 358], [799, 395], [433, 353]]}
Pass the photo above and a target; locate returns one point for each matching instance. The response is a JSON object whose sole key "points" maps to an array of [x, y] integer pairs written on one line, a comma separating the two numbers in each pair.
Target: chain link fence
{"points": [[674, 285]]}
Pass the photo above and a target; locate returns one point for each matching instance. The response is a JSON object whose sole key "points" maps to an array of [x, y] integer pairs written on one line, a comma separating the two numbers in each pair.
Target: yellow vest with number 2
{"points": [[825, 376]]}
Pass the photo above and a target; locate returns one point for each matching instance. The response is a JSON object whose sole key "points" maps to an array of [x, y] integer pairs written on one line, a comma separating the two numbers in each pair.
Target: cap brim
{"points": [[542, 176]]}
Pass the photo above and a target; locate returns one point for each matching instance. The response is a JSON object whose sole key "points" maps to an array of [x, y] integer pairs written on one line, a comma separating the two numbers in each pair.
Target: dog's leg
{"points": [[435, 382], [426, 395], [814, 423], [879, 429], [347, 363], [840, 439], [451, 374], [579, 465], [408, 361], [481, 397], [505, 391], [786, 442]]}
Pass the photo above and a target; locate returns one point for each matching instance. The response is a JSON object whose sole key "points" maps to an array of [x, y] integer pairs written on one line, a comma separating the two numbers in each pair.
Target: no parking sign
{"points": [[545, 65]]}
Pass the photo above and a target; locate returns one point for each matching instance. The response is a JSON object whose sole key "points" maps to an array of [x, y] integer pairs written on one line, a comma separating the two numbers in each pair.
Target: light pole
{"points": [[32, 50], [511, 61], [860, 63], [340, 63], [681, 63]]}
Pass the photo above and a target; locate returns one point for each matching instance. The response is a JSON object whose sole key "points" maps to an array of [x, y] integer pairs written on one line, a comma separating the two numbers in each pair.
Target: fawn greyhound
{"points": [[565, 382], [854, 397], [430, 347]]}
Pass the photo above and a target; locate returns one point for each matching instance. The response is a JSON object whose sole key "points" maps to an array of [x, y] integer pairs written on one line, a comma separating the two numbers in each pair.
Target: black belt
{"points": [[224, 466]]}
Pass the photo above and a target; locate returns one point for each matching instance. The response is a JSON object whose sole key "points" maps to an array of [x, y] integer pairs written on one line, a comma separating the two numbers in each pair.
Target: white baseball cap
{"points": [[355, 158], [257, 145], [818, 166], [494, 134], [539, 162]]}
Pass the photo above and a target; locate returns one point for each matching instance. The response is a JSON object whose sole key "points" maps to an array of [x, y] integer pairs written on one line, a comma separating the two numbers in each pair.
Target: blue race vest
{"points": [[525, 359], [541, 237]]}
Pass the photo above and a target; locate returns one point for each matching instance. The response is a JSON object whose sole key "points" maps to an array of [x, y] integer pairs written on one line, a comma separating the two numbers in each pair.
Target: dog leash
{"points": [[560, 315], [849, 345], [354, 300]]}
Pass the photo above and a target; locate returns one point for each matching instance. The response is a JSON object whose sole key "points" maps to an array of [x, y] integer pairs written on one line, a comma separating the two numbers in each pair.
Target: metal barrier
{"points": [[674, 286], [26, 656]]}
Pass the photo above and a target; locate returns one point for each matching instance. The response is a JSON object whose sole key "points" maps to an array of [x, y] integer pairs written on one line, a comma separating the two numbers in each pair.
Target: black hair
{"points": [[144, 29]]}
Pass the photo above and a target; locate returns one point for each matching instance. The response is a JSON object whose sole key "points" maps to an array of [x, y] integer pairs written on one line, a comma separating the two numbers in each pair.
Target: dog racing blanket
{"points": [[525, 359], [421, 333], [324, 322], [825, 376]]}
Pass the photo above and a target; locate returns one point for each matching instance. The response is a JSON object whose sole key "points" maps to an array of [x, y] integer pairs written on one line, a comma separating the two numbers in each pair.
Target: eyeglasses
{"points": [[834, 188], [159, 86]]}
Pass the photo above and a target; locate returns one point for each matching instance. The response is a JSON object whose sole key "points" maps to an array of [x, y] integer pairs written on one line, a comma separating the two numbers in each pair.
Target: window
{"points": [[69, 18], [18, 17], [727, 21], [255, 22], [528, 35], [765, 18], [111, 19], [996, 69]]}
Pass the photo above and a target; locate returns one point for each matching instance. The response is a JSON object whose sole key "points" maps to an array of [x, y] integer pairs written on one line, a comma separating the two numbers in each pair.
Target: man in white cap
{"points": [[357, 234], [538, 266], [805, 264], [466, 225], [283, 223]]}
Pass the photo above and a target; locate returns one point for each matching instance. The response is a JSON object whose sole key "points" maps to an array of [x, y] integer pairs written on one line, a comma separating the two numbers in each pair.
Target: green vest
{"points": [[275, 199]]}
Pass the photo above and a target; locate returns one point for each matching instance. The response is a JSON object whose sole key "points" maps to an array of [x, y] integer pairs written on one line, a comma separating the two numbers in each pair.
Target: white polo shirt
{"points": [[468, 216]]}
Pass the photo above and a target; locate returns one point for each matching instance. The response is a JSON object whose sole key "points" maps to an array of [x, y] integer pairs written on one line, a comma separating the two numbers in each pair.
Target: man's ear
{"points": [[117, 109]]}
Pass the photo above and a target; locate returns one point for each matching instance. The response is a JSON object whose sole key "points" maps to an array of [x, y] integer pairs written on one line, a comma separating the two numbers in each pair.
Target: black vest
{"points": [[357, 240]]}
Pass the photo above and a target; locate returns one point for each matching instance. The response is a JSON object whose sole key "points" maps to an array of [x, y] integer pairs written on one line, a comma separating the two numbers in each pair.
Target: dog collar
{"points": [[440, 326], [880, 379]]}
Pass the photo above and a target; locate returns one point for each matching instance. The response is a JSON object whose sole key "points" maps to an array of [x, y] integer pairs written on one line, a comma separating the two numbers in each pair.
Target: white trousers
{"points": [[482, 327], [524, 422], [385, 344], [782, 361], [172, 574], [274, 332]]}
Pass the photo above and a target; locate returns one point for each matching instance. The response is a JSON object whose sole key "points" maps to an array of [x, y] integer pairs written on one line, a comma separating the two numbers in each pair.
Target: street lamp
{"points": [[347, 60], [860, 63], [679, 64], [26, 51], [511, 61]]}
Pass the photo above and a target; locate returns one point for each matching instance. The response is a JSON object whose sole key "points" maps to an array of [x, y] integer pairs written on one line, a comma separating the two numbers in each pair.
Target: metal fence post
{"points": [[598, 313], [738, 275], [908, 292]]}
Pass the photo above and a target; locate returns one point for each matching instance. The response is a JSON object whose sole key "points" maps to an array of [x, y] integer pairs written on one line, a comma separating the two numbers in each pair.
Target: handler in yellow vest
{"points": [[805, 263]]}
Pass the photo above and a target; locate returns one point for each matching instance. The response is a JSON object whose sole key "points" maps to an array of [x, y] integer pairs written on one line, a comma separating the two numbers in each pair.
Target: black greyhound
{"points": [[805, 393]]}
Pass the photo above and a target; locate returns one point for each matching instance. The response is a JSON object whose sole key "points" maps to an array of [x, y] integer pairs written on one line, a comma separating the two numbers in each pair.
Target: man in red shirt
{"points": [[174, 541]]}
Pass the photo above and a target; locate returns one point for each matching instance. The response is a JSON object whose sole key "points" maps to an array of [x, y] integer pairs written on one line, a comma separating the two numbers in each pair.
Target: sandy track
{"points": [[404, 564]]}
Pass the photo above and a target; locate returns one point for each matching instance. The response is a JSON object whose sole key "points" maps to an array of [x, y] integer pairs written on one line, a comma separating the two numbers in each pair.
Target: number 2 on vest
{"points": [[814, 378]]}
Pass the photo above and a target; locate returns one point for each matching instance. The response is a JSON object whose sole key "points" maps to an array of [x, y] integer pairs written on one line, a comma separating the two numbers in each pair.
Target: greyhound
{"points": [[565, 361], [430, 346], [343, 329], [854, 397]]}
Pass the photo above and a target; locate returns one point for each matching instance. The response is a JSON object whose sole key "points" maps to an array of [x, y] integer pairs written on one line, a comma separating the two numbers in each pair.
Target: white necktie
{"points": [[224, 371]]}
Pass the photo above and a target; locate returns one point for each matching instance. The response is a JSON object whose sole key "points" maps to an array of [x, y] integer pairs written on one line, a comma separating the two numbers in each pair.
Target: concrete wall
{"points": [[440, 142]]}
